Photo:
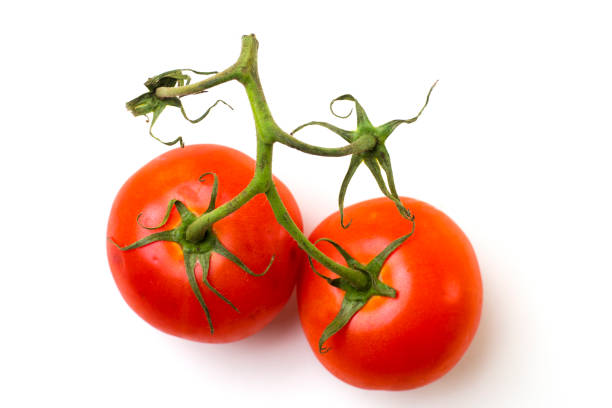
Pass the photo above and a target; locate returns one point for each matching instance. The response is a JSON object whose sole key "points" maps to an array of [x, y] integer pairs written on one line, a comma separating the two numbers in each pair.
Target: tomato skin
{"points": [[152, 279], [414, 339]]}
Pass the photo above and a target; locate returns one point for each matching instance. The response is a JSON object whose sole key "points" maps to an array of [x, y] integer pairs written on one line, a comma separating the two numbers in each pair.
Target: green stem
{"points": [[245, 71], [358, 278], [258, 184], [197, 87], [268, 132], [248, 51], [361, 145]]}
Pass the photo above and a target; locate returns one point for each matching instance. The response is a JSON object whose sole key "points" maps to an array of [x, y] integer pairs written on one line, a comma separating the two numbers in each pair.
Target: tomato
{"points": [[153, 280], [403, 342]]}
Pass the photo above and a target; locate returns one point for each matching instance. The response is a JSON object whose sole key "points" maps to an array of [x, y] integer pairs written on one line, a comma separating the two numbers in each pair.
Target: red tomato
{"points": [[152, 279], [403, 342]]}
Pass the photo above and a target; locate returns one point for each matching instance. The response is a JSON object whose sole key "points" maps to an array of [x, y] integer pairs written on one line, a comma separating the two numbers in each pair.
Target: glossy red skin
{"points": [[409, 341], [152, 279]]}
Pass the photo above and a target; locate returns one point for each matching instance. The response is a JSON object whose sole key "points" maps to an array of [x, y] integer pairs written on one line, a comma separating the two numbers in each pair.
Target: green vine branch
{"points": [[245, 71], [365, 144]]}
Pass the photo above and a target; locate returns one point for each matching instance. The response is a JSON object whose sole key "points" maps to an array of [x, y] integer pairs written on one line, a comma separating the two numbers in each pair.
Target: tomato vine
{"points": [[366, 145]]}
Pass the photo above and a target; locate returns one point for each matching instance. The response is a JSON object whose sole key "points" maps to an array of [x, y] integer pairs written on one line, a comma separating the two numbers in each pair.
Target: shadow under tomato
{"points": [[285, 324], [276, 338]]}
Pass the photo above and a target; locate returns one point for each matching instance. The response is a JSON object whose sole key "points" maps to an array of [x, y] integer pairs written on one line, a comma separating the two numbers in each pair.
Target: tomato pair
{"points": [[391, 343]]}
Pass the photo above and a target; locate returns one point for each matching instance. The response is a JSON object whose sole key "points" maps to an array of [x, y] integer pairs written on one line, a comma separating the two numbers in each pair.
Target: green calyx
{"points": [[193, 253], [354, 298], [149, 102], [375, 158]]}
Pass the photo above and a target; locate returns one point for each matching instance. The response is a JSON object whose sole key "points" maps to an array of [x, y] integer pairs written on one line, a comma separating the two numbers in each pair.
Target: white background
{"points": [[514, 146]]}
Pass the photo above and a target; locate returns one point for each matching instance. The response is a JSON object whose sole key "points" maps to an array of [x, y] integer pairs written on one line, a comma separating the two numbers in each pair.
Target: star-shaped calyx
{"points": [[355, 299], [150, 103], [375, 158], [194, 253]]}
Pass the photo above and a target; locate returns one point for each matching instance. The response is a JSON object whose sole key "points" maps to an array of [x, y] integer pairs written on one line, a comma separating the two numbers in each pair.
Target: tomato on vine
{"points": [[399, 340], [224, 288], [388, 306]]}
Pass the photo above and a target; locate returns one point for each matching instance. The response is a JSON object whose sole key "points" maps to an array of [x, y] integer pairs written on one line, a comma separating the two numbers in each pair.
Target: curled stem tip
{"points": [[331, 107], [205, 113]]}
